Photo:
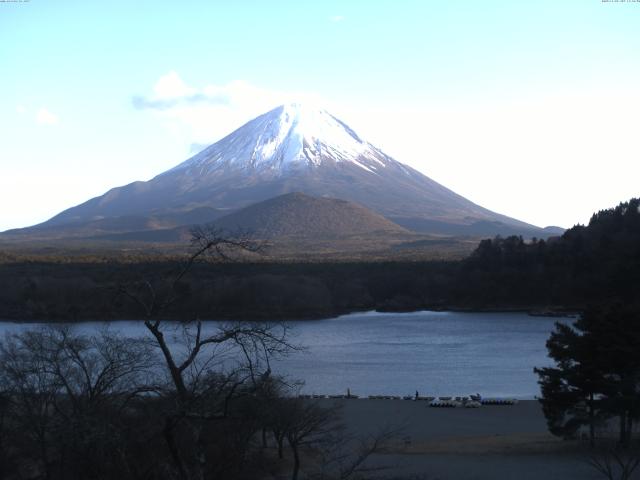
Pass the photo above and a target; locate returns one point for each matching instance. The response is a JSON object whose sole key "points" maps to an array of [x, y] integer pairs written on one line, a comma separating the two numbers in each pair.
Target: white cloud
{"points": [[172, 86], [45, 117], [20, 109], [204, 115], [336, 18]]}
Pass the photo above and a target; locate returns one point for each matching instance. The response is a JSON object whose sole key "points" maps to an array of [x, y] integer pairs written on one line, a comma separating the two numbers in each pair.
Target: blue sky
{"points": [[527, 108]]}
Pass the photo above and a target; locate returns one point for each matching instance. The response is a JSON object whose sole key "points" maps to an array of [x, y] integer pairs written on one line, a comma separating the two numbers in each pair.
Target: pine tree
{"points": [[597, 373]]}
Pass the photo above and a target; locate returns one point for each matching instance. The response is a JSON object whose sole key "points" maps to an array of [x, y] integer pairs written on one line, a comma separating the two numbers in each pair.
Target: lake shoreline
{"points": [[70, 292], [532, 310], [434, 352]]}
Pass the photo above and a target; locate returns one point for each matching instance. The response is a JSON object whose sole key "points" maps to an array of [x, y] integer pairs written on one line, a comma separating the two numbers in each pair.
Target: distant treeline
{"points": [[81, 291], [587, 264]]}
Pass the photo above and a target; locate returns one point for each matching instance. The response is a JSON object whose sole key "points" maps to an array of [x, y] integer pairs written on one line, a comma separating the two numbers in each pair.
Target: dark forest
{"points": [[587, 264]]}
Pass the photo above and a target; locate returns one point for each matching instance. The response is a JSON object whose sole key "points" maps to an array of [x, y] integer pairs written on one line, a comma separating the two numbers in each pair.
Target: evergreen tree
{"points": [[597, 372], [570, 391]]}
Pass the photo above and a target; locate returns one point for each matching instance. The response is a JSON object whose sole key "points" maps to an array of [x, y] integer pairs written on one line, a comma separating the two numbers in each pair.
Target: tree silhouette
{"points": [[597, 372]]}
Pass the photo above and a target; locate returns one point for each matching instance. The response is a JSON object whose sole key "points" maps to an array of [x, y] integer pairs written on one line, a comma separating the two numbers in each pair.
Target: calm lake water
{"points": [[436, 353]]}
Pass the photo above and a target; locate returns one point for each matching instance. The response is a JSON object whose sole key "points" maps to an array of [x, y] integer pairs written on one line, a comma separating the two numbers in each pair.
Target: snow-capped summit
{"points": [[290, 136], [295, 148]]}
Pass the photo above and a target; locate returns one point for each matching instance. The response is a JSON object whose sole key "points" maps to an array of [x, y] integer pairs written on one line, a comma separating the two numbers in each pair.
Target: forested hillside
{"points": [[588, 264]]}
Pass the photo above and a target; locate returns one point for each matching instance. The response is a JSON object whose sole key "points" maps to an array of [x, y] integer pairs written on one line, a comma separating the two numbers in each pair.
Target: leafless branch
{"points": [[615, 463]]}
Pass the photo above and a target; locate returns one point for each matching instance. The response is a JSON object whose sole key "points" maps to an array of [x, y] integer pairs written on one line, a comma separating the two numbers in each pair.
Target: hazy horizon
{"points": [[529, 110]]}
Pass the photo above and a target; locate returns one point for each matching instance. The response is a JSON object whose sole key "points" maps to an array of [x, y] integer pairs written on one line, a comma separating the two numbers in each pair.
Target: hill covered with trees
{"points": [[591, 263], [595, 263]]}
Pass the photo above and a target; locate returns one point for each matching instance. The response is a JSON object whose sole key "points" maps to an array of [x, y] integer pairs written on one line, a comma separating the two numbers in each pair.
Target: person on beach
{"points": [[417, 395]]}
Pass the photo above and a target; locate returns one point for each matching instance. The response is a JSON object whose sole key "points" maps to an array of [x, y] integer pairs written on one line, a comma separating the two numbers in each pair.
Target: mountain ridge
{"points": [[295, 148]]}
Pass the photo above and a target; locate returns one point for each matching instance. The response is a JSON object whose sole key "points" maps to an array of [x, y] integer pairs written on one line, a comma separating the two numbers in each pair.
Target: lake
{"points": [[436, 353]]}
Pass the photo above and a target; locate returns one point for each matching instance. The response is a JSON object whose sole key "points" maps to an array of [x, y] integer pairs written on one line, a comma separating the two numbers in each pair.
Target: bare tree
{"points": [[66, 393], [307, 424], [345, 456], [250, 346], [615, 463], [5, 456], [315, 431]]}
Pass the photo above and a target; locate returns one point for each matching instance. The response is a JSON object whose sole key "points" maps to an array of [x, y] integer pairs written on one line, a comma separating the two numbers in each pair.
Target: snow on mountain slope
{"points": [[297, 148], [288, 137]]}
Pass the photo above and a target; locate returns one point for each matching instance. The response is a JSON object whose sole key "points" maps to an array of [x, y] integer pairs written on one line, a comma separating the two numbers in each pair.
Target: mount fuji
{"points": [[292, 148]]}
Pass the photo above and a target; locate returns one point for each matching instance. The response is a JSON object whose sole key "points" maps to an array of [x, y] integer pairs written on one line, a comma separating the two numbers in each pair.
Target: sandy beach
{"points": [[490, 442]]}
